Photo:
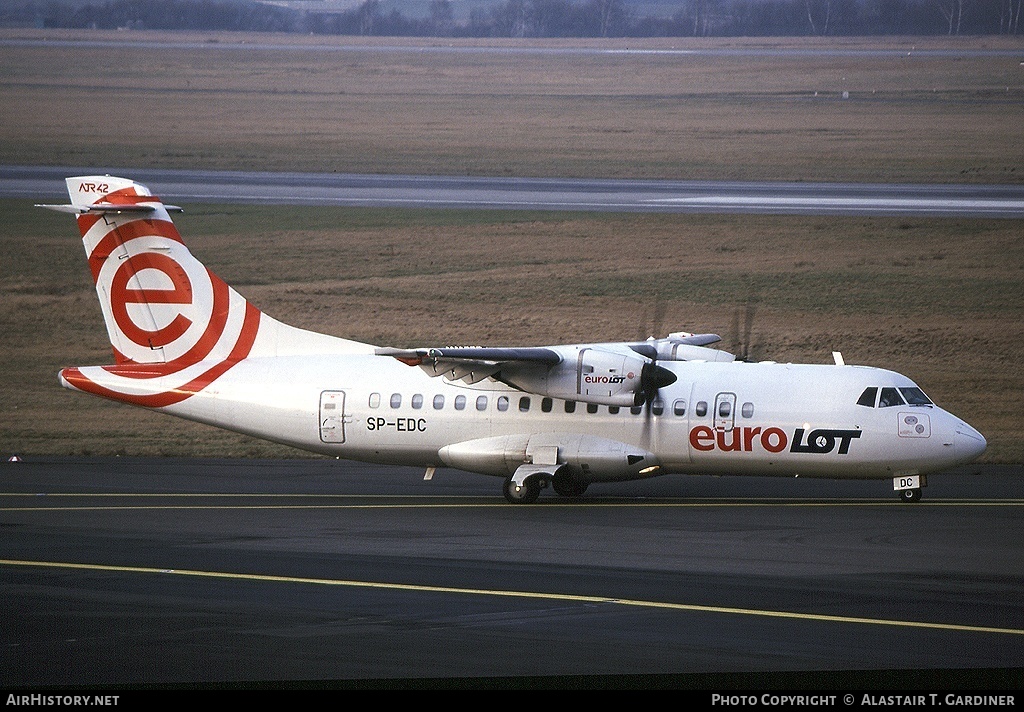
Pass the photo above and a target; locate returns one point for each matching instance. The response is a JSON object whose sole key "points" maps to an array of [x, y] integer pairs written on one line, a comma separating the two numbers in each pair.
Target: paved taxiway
{"points": [[42, 184], [285, 43], [117, 571]]}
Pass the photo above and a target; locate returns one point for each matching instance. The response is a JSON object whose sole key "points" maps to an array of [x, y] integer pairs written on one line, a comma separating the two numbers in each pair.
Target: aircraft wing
{"points": [[617, 374], [471, 363], [696, 339]]}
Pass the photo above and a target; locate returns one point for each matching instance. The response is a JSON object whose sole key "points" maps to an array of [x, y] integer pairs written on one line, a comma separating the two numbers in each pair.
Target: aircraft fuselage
{"points": [[717, 418]]}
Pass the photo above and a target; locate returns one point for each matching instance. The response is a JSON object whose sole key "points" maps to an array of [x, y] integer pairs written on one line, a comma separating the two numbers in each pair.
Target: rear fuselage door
{"points": [[332, 416]]}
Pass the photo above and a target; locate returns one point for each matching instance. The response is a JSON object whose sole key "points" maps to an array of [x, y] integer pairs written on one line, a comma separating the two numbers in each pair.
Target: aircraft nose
{"points": [[968, 443]]}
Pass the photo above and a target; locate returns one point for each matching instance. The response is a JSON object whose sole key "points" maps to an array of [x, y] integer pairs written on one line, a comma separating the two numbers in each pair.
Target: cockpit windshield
{"points": [[888, 397], [915, 396]]}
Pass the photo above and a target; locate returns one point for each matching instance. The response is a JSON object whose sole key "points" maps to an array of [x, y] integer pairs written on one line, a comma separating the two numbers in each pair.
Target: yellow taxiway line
{"points": [[561, 597]]}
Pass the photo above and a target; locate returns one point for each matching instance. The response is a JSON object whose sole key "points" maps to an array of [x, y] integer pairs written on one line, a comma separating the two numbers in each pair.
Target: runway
{"points": [[121, 572], [285, 43], [42, 184]]}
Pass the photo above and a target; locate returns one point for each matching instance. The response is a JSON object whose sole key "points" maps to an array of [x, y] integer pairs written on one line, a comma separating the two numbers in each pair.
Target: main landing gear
{"points": [[527, 491]]}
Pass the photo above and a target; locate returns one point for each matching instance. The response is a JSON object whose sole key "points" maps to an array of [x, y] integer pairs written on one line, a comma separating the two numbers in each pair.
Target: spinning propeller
{"points": [[742, 337], [652, 376]]}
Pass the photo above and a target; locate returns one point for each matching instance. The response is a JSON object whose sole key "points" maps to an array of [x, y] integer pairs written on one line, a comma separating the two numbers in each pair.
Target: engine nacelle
{"points": [[683, 347], [602, 375]]}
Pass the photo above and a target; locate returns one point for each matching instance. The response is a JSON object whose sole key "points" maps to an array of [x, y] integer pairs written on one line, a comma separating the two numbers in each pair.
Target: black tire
{"points": [[568, 486], [527, 494], [910, 495]]}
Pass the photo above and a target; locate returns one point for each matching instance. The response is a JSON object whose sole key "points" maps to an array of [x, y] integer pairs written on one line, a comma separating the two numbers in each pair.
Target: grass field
{"points": [[310, 107], [938, 299]]}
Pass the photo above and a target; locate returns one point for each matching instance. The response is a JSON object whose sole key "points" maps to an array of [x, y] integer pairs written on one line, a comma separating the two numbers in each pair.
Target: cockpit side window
{"points": [[890, 397], [867, 398], [915, 396]]}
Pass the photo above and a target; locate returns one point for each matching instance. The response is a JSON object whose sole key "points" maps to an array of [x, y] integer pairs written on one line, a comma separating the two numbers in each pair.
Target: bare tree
{"points": [[953, 11], [705, 13], [608, 12], [1009, 16], [368, 13], [825, 10], [441, 17], [509, 19]]}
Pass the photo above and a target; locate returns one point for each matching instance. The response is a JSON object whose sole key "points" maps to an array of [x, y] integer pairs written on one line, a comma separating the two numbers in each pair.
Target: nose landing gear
{"points": [[908, 487], [910, 495]]}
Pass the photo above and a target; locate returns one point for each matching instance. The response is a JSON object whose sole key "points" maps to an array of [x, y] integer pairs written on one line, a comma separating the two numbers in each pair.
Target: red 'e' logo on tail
{"points": [[121, 296]]}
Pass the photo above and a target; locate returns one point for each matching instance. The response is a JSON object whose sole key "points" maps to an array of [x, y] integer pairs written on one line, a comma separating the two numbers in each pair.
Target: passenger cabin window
{"points": [[613, 409], [438, 402], [417, 401], [524, 404], [503, 403], [702, 409], [867, 398], [396, 400], [679, 407], [460, 402], [375, 400], [570, 406], [545, 404], [591, 408], [748, 410], [636, 410], [481, 402], [657, 406], [725, 409], [890, 397]]}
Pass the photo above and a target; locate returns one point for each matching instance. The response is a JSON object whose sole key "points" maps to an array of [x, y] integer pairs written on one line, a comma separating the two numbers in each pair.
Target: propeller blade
{"points": [[652, 377]]}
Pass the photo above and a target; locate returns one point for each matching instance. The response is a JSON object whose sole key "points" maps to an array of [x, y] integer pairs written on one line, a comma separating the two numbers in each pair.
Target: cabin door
{"points": [[332, 417]]}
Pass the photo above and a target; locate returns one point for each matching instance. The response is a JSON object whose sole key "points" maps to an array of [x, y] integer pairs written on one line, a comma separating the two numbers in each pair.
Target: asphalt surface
{"points": [[46, 184], [284, 43], [121, 573]]}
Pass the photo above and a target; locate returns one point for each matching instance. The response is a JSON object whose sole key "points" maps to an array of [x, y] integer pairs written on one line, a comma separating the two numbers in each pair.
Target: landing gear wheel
{"points": [[526, 494], [568, 486], [910, 495]]}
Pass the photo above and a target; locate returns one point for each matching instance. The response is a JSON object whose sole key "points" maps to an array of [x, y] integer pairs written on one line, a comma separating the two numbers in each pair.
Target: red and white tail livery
{"points": [[174, 326], [186, 343]]}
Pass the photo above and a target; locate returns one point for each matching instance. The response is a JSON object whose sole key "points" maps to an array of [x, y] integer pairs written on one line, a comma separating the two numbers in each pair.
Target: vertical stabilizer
{"points": [[159, 303], [174, 326]]}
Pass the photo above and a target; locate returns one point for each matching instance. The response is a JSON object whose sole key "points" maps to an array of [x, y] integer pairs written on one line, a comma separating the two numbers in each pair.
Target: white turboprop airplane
{"points": [[187, 344]]}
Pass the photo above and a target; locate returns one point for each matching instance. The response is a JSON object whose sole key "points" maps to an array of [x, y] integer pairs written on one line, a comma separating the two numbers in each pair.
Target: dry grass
{"points": [[937, 299], [908, 118]]}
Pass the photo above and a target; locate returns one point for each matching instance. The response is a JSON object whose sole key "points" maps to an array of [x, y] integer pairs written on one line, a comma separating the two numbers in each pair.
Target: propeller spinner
{"points": [[652, 377]]}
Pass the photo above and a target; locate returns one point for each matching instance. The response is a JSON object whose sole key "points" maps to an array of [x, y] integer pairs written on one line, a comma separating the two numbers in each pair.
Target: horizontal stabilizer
{"points": [[101, 208]]}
